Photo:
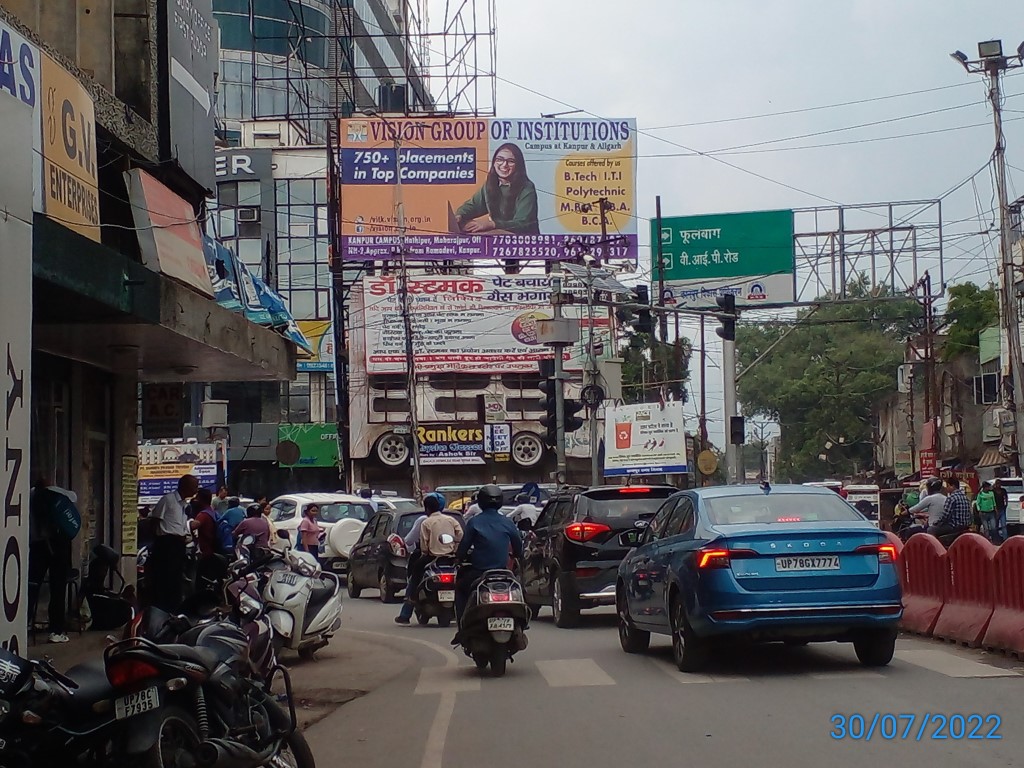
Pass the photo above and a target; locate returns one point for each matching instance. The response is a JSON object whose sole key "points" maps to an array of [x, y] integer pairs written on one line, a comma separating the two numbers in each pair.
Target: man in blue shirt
{"points": [[488, 539]]}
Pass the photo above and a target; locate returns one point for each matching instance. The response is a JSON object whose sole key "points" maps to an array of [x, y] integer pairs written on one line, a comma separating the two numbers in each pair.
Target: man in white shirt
{"points": [[526, 510], [166, 561]]}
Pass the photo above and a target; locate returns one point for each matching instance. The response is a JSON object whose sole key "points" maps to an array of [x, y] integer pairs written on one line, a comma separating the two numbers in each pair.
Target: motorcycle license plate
{"points": [[446, 595], [136, 703], [501, 624]]}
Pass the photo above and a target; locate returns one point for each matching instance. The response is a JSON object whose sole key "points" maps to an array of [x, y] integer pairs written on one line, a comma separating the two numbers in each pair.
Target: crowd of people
{"points": [[943, 509]]}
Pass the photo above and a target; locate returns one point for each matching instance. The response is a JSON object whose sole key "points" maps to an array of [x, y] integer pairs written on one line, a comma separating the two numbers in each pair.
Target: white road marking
{"points": [[571, 673], [952, 665], [691, 678], [446, 680], [846, 674]]}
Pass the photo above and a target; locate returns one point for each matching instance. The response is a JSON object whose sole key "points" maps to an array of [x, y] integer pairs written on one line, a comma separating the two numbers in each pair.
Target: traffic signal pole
{"points": [[731, 409], [560, 466]]}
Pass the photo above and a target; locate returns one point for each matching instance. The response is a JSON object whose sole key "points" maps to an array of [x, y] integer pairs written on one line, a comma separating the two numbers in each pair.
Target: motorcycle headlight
{"points": [[305, 569]]}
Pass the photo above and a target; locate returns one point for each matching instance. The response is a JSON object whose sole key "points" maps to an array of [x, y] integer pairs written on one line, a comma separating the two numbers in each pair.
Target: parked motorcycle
{"points": [[493, 627], [303, 603], [435, 597], [212, 711]]}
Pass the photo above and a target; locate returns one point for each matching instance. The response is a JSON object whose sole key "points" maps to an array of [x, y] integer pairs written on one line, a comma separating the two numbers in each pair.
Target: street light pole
{"points": [[993, 63]]}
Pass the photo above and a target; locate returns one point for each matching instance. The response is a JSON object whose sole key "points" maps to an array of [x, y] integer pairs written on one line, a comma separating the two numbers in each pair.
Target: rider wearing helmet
{"points": [[488, 538], [423, 549]]}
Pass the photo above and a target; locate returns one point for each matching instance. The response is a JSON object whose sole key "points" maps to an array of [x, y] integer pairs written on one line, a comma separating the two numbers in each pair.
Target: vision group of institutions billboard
{"points": [[749, 255], [462, 323], [474, 188]]}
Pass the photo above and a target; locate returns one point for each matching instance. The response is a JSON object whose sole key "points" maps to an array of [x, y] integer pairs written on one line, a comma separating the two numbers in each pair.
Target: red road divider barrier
{"points": [[922, 567], [970, 593], [1006, 629]]}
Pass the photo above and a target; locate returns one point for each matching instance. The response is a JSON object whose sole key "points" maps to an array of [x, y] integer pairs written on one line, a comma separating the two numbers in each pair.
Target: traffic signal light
{"points": [[644, 319], [727, 304], [547, 386], [737, 431], [572, 422]]}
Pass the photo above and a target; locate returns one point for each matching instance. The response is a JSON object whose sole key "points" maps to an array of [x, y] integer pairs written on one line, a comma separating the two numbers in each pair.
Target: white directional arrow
{"points": [[190, 84]]}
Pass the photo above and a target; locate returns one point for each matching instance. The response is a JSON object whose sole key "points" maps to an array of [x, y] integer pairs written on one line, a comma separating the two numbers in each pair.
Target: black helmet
{"points": [[934, 484], [489, 497]]}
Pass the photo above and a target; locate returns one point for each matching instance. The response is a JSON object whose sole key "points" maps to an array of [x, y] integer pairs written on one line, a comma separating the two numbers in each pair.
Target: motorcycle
{"points": [[435, 596], [493, 627], [303, 603], [212, 711]]}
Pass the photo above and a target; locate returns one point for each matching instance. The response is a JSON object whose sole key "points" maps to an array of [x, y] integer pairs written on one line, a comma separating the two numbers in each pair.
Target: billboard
{"points": [[460, 443], [747, 254], [320, 334], [18, 119], [317, 443], [486, 188], [462, 323], [189, 59], [169, 235], [645, 439], [70, 182], [161, 466]]}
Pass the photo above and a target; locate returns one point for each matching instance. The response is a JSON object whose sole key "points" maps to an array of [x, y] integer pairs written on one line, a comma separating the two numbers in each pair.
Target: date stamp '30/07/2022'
{"points": [[909, 726]]}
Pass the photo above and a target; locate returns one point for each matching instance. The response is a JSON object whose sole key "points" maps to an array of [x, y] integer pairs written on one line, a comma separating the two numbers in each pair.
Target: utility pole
{"points": [[406, 310], [993, 63], [731, 407], [560, 466], [592, 370], [662, 316], [703, 421], [338, 324]]}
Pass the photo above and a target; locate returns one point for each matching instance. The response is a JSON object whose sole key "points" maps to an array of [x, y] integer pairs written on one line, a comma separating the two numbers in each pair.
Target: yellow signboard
{"points": [[70, 184]]}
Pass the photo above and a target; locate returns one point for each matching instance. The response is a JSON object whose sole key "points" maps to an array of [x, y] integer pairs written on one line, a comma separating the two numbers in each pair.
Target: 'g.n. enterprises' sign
{"points": [[451, 444]]}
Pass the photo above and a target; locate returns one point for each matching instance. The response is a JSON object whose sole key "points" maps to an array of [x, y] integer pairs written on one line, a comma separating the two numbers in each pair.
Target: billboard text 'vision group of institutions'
{"points": [[487, 188]]}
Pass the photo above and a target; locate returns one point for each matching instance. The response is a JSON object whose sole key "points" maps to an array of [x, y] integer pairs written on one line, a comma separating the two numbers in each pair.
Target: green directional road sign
{"points": [[748, 254]]}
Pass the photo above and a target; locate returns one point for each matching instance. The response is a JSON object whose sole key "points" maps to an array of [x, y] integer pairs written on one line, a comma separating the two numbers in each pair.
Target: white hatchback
{"points": [[342, 519]]}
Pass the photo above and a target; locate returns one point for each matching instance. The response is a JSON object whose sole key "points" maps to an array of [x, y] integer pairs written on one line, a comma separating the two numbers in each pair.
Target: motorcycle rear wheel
{"points": [[176, 741], [296, 753]]}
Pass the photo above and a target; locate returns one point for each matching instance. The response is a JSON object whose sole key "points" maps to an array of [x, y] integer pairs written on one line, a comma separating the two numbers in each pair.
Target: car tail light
{"points": [[586, 573], [634, 489], [445, 578], [126, 673], [789, 520], [886, 552], [585, 531], [720, 558], [397, 544]]}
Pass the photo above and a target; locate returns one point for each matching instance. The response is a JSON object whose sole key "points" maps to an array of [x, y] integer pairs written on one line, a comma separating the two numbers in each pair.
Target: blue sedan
{"points": [[785, 563]]}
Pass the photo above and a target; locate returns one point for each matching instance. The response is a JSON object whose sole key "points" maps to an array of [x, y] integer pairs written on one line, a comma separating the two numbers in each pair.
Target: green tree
{"points": [[821, 381], [648, 364], [971, 310]]}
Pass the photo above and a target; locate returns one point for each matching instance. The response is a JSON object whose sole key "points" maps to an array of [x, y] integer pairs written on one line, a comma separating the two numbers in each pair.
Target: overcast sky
{"points": [[669, 63]]}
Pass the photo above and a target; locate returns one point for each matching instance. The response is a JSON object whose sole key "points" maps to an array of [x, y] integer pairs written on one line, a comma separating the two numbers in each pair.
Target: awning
{"points": [[992, 457]]}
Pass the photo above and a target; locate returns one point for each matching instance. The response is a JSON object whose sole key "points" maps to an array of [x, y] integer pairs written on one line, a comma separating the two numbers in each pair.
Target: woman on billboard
{"points": [[507, 202]]}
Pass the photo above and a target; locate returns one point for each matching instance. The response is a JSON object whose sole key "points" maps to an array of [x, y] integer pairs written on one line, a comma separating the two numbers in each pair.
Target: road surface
{"points": [[573, 698]]}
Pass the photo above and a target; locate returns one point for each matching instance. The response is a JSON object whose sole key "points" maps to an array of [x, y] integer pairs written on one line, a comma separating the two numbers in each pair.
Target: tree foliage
{"points": [[648, 364], [821, 381], [971, 310]]}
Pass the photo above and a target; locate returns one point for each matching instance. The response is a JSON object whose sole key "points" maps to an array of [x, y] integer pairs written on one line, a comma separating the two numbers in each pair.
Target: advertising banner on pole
{"points": [[320, 334], [749, 255], [17, 117], [161, 466], [645, 439], [470, 323], [486, 188]]}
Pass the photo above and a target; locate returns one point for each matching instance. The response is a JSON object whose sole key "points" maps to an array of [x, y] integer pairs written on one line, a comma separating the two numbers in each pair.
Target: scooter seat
{"points": [[323, 591]]}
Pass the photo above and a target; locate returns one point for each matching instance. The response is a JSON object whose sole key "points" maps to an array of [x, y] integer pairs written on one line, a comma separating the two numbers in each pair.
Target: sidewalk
{"points": [[348, 668]]}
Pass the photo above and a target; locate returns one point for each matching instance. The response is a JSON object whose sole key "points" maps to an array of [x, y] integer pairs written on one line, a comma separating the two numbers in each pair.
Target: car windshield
{"points": [[625, 505], [779, 508], [332, 513], [405, 506], [405, 523]]}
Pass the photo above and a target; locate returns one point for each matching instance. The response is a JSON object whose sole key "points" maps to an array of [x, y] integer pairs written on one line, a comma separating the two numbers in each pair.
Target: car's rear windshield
{"points": [[332, 513], [406, 506], [779, 508], [627, 504]]}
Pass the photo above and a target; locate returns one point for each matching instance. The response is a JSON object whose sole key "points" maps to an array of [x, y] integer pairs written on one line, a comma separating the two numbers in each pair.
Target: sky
{"points": [[678, 63]]}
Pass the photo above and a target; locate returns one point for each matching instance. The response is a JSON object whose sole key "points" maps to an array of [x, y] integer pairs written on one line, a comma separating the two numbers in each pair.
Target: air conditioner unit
{"points": [[248, 214]]}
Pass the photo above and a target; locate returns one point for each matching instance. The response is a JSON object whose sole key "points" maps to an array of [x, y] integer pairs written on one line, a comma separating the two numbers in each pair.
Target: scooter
{"points": [[493, 627], [436, 594], [303, 603]]}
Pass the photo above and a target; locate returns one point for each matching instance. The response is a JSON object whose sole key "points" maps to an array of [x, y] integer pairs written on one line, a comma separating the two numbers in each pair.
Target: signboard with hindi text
{"points": [[749, 255], [645, 439]]}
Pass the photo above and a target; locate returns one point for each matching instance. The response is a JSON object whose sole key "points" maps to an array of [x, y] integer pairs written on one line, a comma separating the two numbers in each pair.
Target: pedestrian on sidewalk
{"points": [[1002, 503], [50, 552], [985, 504], [166, 562]]}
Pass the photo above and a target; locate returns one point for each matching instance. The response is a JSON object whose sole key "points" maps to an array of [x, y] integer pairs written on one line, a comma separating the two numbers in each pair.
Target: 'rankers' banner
{"points": [[487, 188]]}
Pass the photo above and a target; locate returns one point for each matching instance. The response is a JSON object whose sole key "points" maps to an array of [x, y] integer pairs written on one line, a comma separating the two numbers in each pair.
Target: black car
{"points": [[379, 558], [574, 550]]}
